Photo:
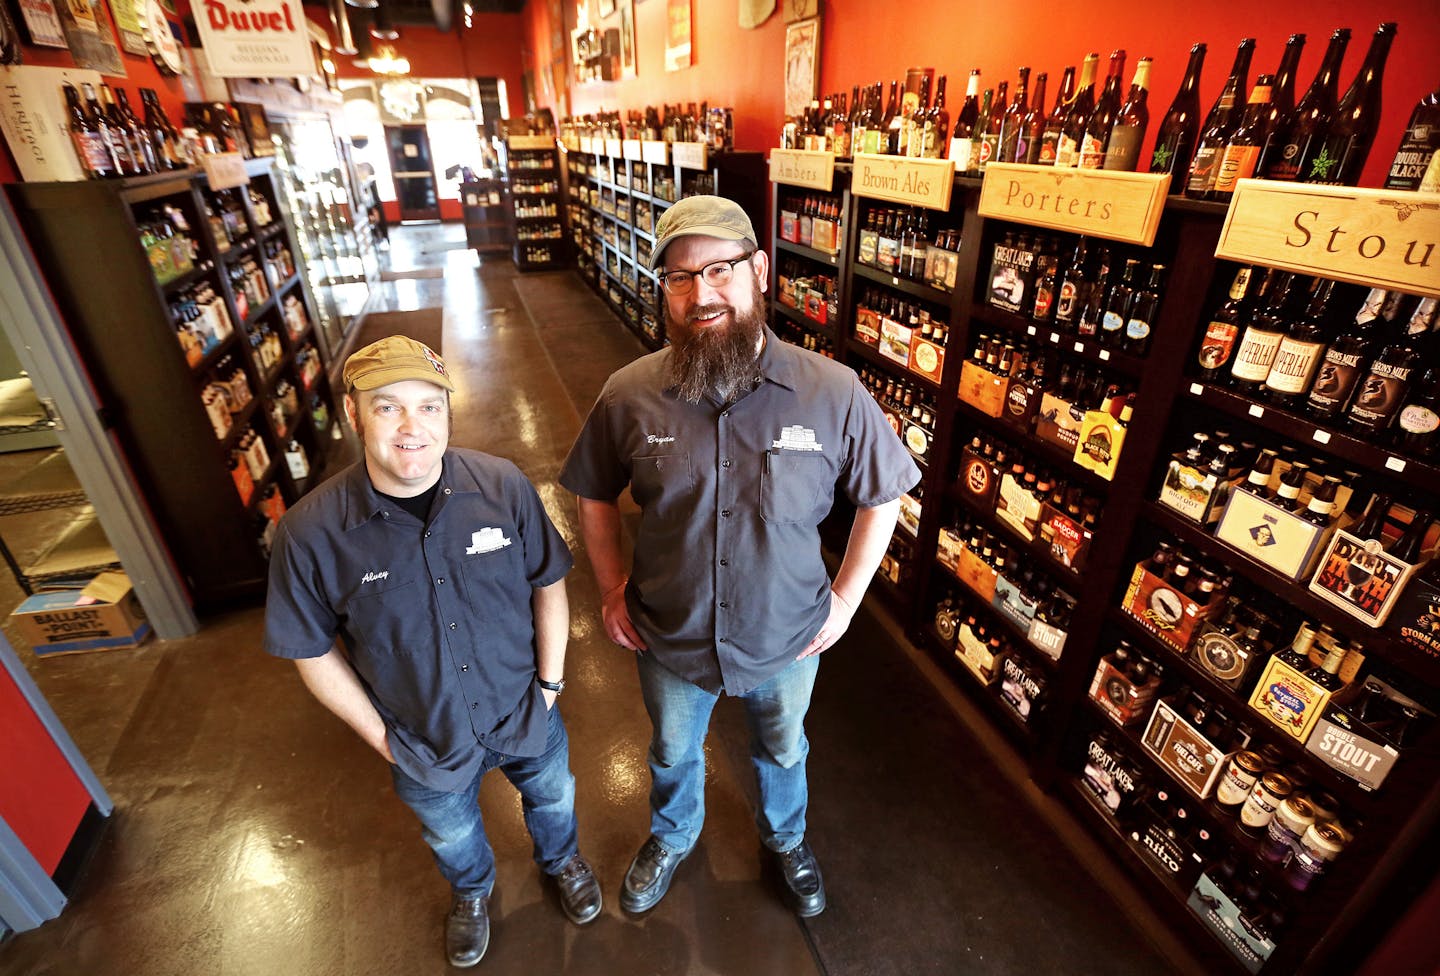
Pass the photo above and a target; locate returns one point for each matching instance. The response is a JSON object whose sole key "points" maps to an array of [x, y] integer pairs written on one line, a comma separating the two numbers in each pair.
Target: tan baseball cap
{"points": [[393, 359], [706, 216]]}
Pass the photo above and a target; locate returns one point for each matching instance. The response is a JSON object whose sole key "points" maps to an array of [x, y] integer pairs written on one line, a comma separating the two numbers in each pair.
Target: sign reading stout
{"points": [[631, 148], [612, 148], [1378, 238], [691, 155], [225, 170], [655, 151], [530, 142], [800, 167], [1099, 203], [901, 179]]}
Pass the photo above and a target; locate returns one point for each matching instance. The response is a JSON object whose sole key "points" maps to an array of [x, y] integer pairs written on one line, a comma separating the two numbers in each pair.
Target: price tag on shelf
{"points": [[1197, 389], [1256, 410], [1104, 355], [894, 280], [1030, 330], [1079, 347], [1055, 338], [1321, 436], [1394, 463]]}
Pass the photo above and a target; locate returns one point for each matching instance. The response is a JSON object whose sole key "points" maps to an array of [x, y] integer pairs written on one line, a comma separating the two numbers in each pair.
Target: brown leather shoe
{"points": [[467, 930], [579, 891]]}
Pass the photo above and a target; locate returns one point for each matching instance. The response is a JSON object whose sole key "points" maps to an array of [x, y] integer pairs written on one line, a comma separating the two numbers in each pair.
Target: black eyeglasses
{"points": [[716, 275]]}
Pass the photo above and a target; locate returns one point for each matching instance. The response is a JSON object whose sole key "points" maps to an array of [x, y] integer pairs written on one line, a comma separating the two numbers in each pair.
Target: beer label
{"points": [[960, 153], [1416, 419], [1137, 329], [1256, 355], [1069, 295], [93, 151], [1092, 152], [1049, 147], [989, 145], [1204, 169], [1336, 378], [1065, 154], [1124, 148], [1044, 298], [1238, 163], [1294, 365], [1113, 321], [1381, 394], [1218, 343], [1218, 653]]}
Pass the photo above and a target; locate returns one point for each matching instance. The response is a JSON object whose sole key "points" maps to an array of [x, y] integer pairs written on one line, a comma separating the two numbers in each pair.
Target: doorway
{"points": [[414, 171]]}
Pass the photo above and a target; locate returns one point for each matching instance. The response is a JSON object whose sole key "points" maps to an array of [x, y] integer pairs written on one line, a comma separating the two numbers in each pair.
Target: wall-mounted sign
{"points": [[801, 167], [901, 179], [630, 148], [677, 34], [691, 155], [530, 142], [127, 15], [90, 36], [225, 170], [36, 122], [1379, 238], [1102, 203], [655, 151], [255, 38], [42, 23]]}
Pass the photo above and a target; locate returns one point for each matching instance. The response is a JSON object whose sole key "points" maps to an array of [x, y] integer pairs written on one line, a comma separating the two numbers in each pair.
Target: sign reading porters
{"points": [[901, 179], [1378, 238], [1100, 203], [800, 167]]}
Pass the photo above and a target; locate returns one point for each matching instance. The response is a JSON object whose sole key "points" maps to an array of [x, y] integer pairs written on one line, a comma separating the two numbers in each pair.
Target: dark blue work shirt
{"points": [[728, 583], [435, 618]]}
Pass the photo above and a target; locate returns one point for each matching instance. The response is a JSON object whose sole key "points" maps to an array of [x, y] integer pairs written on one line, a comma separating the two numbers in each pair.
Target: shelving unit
{"points": [[615, 194], [486, 208], [1325, 926], [125, 326], [536, 203]]}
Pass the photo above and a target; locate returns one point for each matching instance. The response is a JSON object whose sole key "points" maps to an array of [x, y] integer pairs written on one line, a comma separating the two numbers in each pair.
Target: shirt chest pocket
{"points": [[795, 487], [495, 579], [663, 485], [384, 620]]}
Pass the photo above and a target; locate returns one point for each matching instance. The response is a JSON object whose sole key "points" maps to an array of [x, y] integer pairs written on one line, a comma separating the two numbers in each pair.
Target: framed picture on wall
{"points": [[627, 38], [802, 64]]}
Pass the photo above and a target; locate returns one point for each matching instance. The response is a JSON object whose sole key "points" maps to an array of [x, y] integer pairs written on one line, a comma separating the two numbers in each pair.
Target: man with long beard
{"points": [[732, 444]]}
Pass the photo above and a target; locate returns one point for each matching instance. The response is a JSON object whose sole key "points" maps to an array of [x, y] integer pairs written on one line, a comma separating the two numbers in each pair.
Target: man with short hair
{"points": [[732, 444], [421, 594]]}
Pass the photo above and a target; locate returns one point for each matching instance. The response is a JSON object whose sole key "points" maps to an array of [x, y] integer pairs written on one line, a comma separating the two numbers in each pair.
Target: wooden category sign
{"points": [[225, 170], [1101, 203], [571, 142], [1380, 238], [531, 142], [655, 151], [901, 179], [588, 144], [631, 148], [612, 148], [691, 155], [800, 167]]}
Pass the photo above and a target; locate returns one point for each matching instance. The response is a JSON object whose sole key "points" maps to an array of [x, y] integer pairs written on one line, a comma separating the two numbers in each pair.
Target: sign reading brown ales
{"points": [[531, 142], [691, 155], [1379, 238], [655, 151], [901, 179], [801, 167], [1101, 203]]}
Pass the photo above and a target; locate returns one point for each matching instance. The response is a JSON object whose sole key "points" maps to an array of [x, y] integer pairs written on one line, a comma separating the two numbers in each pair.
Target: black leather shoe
{"points": [[467, 930], [804, 888], [579, 891], [649, 877]]}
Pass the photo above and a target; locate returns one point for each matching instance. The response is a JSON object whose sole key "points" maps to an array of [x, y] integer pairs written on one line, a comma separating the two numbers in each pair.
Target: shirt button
{"points": [[725, 463], [427, 533], [724, 513], [452, 626], [724, 562], [385, 515], [724, 605], [724, 640], [464, 667], [725, 414], [447, 491], [440, 580], [474, 705]]}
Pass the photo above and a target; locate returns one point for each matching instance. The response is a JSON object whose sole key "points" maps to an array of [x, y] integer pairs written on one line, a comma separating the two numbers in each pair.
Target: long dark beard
{"points": [[706, 359]]}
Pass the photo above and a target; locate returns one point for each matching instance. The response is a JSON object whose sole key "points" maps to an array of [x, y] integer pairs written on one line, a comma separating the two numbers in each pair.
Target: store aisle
{"points": [[254, 834]]}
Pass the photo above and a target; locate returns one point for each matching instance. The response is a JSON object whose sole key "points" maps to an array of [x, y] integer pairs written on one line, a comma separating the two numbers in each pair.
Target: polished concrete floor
{"points": [[255, 835]]}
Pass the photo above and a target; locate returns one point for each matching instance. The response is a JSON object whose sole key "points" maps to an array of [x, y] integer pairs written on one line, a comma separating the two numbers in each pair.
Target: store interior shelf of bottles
{"points": [[537, 209]]}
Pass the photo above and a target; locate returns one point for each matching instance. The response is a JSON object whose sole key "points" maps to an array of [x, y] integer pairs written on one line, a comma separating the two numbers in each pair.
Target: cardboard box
{"points": [[1112, 776], [1164, 611], [1361, 578], [1192, 759], [1119, 697], [1292, 702], [941, 267], [982, 389], [36, 122], [1416, 621], [1365, 751], [977, 574], [926, 358], [1251, 947], [1100, 439], [1220, 655], [1012, 274], [1195, 493], [1022, 687], [1047, 638], [104, 615], [1172, 855], [949, 548], [895, 341], [1271, 535], [1018, 508], [867, 326], [1058, 422], [909, 519], [1012, 605], [1069, 541], [977, 656], [977, 479], [918, 441]]}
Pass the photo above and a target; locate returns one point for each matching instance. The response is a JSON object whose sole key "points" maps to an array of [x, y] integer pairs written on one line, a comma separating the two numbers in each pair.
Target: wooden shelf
{"points": [[914, 289], [1073, 347]]}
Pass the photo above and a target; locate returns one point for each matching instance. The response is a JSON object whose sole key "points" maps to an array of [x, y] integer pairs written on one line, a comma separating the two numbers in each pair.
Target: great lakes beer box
{"points": [[1270, 534], [104, 615]]}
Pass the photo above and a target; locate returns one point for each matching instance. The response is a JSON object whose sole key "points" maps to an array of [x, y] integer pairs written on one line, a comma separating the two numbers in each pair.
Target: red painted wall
{"points": [[862, 42], [41, 798]]}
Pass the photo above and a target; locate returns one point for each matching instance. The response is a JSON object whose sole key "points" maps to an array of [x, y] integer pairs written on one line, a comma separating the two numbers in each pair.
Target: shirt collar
{"points": [[363, 502]]}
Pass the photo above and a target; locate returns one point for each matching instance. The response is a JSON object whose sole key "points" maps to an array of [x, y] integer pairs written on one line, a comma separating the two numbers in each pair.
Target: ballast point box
{"points": [[103, 616]]}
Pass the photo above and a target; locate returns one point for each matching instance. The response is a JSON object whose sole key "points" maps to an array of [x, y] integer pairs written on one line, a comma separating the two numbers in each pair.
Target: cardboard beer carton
{"points": [[1184, 750], [1361, 578], [103, 616], [1249, 945], [1271, 534], [1166, 612], [982, 389], [1290, 700], [1119, 697]]}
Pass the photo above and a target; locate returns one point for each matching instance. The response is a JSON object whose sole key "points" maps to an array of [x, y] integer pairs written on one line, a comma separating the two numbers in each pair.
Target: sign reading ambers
{"points": [[1101, 203], [1379, 238], [800, 167], [255, 38]]}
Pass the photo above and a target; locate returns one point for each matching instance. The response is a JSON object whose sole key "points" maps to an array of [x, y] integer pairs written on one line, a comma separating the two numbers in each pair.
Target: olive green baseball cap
{"points": [[394, 359], [706, 216]]}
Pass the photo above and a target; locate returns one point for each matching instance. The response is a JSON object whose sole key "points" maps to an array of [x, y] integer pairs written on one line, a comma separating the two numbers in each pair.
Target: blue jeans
{"points": [[453, 828], [680, 717]]}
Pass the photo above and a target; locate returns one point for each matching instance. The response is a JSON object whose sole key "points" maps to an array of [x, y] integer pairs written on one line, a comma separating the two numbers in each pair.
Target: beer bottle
{"points": [[1219, 340], [963, 133], [91, 147], [1077, 114], [1327, 674], [1074, 288], [1097, 128], [1417, 427], [1032, 128], [1297, 655], [1013, 121], [1261, 339], [936, 127], [1386, 385], [1409, 546], [1301, 350], [1122, 151], [990, 136], [1242, 152], [1117, 304], [1143, 308], [1219, 124], [1342, 153], [888, 134], [1093, 311], [1282, 104], [977, 137], [114, 139], [1055, 121], [1372, 523], [1175, 142], [1346, 359], [1313, 115], [1417, 145]]}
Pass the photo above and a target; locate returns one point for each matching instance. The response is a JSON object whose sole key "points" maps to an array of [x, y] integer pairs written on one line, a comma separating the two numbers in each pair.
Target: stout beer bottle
{"points": [[1346, 359], [1312, 116], [1032, 129], [1417, 145], [1417, 427], [1175, 142], [1386, 384], [1261, 340], [1282, 103], [1301, 350], [1343, 151]]}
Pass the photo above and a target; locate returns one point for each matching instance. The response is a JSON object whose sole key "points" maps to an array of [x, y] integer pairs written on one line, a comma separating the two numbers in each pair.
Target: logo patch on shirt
{"points": [[486, 540], [797, 438], [372, 577], [659, 439]]}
